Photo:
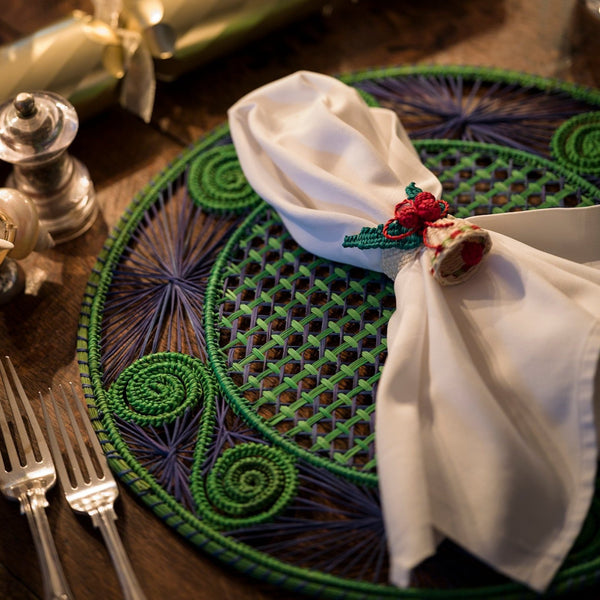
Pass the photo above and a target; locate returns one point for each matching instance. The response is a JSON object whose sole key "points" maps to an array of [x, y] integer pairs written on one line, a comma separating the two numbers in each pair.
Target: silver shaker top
{"points": [[36, 127]]}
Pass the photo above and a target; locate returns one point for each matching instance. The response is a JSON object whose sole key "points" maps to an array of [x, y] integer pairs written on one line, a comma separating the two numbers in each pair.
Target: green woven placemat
{"points": [[231, 375]]}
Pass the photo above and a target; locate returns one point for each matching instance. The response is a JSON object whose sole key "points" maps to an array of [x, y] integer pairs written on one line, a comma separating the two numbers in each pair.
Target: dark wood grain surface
{"points": [[555, 38]]}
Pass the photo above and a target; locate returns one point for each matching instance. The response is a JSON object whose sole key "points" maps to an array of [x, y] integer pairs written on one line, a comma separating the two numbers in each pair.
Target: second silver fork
{"points": [[95, 492]]}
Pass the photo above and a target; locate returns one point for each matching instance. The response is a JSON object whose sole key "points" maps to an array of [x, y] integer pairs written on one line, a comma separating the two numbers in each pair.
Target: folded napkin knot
{"points": [[455, 246]]}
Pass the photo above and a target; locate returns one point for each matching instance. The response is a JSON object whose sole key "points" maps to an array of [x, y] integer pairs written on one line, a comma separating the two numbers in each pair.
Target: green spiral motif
{"points": [[157, 388], [217, 183], [576, 143], [249, 484]]}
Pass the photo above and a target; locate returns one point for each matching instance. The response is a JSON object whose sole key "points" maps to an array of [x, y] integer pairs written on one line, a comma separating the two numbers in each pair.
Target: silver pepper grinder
{"points": [[35, 131]]}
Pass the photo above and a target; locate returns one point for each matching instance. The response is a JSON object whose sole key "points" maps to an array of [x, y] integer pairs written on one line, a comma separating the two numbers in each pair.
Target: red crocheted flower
{"points": [[428, 207], [416, 215], [406, 214]]}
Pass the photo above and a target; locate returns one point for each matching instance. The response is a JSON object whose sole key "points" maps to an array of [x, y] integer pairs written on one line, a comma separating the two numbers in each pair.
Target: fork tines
{"points": [[93, 492], [95, 468], [26, 473], [25, 445]]}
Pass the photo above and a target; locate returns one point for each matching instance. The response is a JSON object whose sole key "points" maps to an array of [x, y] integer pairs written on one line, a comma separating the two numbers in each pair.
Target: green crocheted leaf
{"points": [[372, 237]]}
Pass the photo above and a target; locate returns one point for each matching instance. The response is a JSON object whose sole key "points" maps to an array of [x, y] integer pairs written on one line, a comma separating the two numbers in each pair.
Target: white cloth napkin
{"points": [[485, 426]]}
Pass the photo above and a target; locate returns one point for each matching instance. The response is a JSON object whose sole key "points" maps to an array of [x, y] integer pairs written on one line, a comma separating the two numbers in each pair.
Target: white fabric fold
{"points": [[569, 233], [328, 169], [485, 427]]}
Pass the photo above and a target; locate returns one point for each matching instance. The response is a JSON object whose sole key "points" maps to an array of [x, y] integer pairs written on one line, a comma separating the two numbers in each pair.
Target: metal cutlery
{"points": [[26, 473], [88, 484]]}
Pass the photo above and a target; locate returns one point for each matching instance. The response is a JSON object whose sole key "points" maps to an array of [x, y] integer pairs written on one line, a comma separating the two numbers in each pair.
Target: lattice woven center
{"points": [[480, 183], [304, 338], [305, 342]]}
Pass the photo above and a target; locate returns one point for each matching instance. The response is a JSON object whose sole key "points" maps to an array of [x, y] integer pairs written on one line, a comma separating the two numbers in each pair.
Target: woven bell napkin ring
{"points": [[455, 247], [485, 427]]}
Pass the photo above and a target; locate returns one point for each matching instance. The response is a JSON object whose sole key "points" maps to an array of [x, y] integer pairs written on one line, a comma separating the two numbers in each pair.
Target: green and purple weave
{"points": [[231, 375]]}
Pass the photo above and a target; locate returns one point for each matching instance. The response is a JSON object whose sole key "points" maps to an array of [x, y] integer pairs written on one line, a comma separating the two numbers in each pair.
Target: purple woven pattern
{"points": [[332, 526], [156, 297], [464, 106], [166, 451]]}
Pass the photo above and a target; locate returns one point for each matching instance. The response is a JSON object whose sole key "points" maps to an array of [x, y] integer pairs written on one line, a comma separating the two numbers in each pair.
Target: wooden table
{"points": [[545, 37]]}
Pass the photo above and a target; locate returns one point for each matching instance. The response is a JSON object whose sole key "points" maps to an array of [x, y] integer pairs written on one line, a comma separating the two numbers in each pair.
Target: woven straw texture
{"points": [[231, 375]]}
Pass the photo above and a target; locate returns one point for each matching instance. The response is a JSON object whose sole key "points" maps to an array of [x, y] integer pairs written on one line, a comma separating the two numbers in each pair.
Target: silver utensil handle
{"points": [[33, 504], [104, 519]]}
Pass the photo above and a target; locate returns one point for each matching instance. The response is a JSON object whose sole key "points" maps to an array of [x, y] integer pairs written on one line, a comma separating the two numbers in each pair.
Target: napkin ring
{"points": [[421, 223]]}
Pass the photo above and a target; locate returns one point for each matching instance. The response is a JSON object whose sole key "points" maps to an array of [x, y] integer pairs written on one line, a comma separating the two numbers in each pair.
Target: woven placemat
{"points": [[231, 375]]}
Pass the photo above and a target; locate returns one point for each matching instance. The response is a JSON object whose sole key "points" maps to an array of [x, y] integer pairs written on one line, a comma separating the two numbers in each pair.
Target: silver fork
{"points": [[93, 493], [26, 477]]}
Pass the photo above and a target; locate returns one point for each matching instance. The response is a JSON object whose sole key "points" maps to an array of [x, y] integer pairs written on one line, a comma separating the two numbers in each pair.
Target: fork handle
{"points": [[33, 504], [104, 520]]}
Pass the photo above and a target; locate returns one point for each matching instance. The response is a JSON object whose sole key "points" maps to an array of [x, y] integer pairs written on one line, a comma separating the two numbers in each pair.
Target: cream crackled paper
{"points": [[485, 426]]}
